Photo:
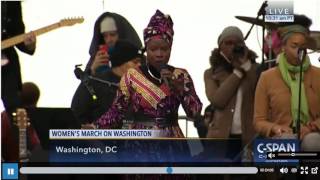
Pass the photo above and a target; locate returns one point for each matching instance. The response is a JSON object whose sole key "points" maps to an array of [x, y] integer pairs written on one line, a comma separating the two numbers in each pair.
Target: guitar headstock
{"points": [[71, 21], [21, 119]]}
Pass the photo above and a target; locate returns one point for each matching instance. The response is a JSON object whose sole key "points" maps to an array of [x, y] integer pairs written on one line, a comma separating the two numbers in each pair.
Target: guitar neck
{"points": [[20, 38], [23, 151]]}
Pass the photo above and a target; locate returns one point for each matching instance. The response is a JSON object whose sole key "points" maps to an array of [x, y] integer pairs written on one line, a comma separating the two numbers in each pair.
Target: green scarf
{"points": [[285, 68]]}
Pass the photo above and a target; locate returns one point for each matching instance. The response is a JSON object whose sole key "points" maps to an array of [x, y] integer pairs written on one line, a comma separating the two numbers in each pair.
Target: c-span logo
{"points": [[264, 147]]}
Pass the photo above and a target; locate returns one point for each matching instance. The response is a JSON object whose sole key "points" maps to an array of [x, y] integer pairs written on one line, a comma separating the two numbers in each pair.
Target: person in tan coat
{"points": [[230, 86], [277, 93]]}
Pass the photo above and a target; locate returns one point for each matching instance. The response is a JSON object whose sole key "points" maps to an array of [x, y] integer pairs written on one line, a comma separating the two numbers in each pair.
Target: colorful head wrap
{"points": [[160, 26]]}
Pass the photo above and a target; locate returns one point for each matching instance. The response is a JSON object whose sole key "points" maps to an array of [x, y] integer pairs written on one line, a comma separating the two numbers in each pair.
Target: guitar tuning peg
{"points": [[28, 124]]}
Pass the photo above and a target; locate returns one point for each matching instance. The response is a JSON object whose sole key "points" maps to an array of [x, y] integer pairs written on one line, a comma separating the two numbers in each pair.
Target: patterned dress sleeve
{"points": [[189, 99], [114, 116]]}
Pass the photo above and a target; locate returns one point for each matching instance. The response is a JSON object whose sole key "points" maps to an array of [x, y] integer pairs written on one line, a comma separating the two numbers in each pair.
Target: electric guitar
{"points": [[20, 38]]}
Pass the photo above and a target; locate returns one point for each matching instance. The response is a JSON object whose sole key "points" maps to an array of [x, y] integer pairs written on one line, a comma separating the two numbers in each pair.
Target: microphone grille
{"points": [[163, 66], [301, 53], [78, 73]]}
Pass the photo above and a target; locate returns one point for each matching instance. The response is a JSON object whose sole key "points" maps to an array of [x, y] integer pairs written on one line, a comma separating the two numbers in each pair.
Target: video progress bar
{"points": [[138, 170]]}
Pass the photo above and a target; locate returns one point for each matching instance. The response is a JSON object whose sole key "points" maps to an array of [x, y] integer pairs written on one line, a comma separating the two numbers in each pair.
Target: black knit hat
{"points": [[123, 52]]}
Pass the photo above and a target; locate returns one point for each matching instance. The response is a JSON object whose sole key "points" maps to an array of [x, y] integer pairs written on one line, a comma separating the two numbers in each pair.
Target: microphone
{"points": [[165, 79], [84, 78], [262, 10], [301, 54], [78, 72]]}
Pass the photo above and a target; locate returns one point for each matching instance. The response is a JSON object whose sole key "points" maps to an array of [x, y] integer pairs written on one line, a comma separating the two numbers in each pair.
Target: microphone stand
{"points": [[262, 12], [299, 100], [83, 77], [103, 81]]}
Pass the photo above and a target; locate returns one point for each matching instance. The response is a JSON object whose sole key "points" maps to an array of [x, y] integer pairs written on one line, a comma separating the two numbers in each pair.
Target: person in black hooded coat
{"points": [[86, 109], [109, 27]]}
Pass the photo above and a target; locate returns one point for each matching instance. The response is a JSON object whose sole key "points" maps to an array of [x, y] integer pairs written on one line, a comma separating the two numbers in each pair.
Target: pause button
{"points": [[9, 171]]}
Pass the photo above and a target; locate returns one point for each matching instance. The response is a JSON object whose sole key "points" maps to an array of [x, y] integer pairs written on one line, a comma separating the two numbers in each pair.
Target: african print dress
{"points": [[154, 104]]}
